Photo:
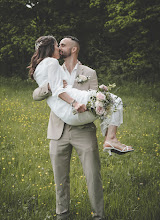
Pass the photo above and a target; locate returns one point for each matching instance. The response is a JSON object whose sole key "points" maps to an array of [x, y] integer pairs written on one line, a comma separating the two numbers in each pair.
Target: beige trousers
{"points": [[85, 142]]}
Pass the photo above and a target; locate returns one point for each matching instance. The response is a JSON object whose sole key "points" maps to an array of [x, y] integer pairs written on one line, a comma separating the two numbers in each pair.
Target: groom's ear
{"points": [[74, 49]]}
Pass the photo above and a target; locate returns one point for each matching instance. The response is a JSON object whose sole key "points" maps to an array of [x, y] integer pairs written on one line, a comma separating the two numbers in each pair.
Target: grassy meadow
{"points": [[131, 182]]}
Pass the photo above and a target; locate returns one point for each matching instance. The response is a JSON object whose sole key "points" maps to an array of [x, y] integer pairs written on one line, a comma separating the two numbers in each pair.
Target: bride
{"points": [[45, 68]]}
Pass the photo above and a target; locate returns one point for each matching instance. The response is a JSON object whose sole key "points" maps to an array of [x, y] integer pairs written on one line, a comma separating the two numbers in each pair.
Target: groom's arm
{"points": [[41, 93], [44, 92]]}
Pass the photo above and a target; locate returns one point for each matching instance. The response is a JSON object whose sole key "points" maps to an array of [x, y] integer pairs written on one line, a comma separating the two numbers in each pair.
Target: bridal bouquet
{"points": [[101, 103]]}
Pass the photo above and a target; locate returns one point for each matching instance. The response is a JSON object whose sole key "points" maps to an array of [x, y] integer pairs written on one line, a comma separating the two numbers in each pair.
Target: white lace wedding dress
{"points": [[49, 71]]}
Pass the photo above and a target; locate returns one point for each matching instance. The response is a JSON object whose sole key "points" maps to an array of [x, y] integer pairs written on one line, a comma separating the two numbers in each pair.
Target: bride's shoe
{"points": [[116, 150]]}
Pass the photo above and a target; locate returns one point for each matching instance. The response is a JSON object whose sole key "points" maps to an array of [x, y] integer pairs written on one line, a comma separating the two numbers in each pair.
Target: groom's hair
{"points": [[74, 39]]}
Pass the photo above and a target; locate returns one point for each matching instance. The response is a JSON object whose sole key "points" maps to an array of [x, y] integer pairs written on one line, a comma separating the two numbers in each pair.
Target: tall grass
{"points": [[131, 182]]}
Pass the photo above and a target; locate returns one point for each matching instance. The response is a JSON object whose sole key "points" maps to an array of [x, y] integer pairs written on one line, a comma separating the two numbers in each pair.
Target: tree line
{"points": [[120, 39]]}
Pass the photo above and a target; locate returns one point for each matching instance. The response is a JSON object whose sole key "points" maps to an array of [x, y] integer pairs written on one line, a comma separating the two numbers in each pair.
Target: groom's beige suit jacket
{"points": [[56, 125]]}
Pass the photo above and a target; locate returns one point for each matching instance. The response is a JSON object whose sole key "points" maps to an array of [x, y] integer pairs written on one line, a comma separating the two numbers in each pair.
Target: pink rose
{"points": [[101, 96], [103, 87], [100, 110]]}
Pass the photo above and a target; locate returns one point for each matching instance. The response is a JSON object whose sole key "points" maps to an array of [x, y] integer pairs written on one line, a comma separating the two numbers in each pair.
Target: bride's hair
{"points": [[44, 47]]}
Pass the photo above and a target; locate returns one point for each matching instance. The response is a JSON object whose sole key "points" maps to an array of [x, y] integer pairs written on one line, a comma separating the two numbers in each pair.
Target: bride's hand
{"points": [[65, 83], [80, 107]]}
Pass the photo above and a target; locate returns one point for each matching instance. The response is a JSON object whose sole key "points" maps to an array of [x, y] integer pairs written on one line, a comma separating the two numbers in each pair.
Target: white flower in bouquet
{"points": [[99, 103]]}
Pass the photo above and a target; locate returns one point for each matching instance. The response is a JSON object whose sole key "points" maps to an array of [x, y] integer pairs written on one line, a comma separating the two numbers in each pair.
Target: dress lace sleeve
{"points": [[55, 77]]}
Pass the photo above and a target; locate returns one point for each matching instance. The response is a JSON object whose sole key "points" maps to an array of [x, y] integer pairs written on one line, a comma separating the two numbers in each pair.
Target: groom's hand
{"points": [[65, 83]]}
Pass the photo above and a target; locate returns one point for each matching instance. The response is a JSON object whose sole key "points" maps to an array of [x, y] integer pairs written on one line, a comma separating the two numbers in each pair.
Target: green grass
{"points": [[131, 182]]}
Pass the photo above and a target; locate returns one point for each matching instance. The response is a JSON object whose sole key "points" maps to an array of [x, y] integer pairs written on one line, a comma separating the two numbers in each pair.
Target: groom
{"points": [[64, 137]]}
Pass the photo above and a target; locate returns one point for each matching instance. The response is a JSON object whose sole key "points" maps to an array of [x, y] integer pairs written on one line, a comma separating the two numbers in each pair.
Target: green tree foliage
{"points": [[132, 29], [17, 34], [120, 39]]}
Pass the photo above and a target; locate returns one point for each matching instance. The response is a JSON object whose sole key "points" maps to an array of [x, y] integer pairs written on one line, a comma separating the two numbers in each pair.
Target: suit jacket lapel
{"points": [[80, 71]]}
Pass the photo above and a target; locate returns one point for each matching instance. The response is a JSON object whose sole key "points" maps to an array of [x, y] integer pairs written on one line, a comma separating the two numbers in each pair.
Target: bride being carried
{"points": [[73, 106]]}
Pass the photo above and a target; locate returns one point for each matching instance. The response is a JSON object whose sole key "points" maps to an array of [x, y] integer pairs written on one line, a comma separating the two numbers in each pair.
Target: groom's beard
{"points": [[64, 55]]}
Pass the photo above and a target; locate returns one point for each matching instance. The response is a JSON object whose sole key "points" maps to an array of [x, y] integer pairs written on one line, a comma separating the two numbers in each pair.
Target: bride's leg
{"points": [[115, 121], [111, 139]]}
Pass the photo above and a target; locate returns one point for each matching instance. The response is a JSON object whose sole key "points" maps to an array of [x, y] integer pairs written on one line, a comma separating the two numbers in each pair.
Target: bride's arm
{"points": [[79, 107]]}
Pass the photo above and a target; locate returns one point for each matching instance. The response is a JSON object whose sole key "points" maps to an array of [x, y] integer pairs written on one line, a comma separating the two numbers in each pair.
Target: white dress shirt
{"points": [[70, 76]]}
